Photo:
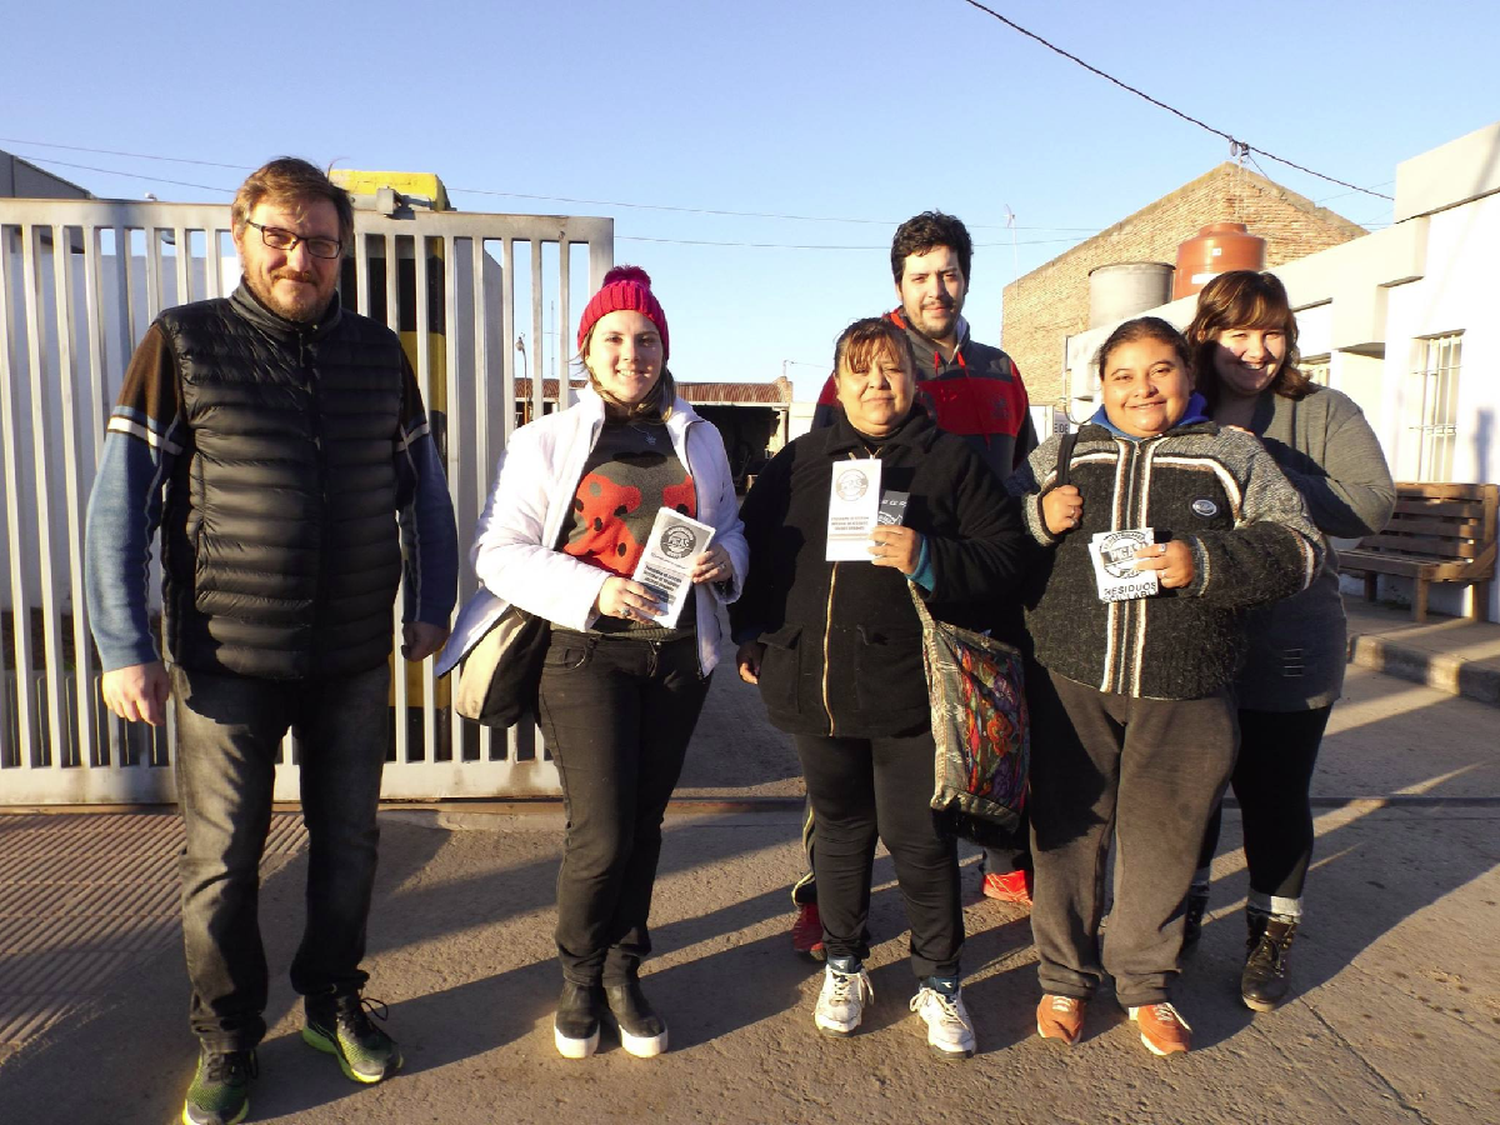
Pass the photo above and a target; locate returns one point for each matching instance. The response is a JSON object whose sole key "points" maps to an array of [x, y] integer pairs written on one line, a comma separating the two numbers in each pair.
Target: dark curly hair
{"points": [[921, 233]]}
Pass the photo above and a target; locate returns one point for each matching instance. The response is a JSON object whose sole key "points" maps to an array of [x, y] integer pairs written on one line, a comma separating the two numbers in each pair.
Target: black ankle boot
{"points": [[575, 1028], [643, 1033], [1263, 984]]}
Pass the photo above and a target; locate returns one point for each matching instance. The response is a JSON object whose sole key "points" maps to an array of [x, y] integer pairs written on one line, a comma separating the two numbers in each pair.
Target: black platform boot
{"points": [[643, 1033], [575, 1028]]}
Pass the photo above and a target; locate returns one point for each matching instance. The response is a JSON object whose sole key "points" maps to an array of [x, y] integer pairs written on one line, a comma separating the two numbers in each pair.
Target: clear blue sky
{"points": [[845, 109]]}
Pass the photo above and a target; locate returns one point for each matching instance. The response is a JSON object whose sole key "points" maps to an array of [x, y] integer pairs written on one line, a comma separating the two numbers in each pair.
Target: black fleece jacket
{"points": [[843, 643]]}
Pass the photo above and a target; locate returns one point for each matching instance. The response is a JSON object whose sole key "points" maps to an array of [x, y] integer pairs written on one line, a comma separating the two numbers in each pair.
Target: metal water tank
{"points": [[1217, 248], [1124, 289]]}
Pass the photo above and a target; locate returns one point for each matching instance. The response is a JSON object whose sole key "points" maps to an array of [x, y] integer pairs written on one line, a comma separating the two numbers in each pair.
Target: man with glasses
{"points": [[277, 440]]}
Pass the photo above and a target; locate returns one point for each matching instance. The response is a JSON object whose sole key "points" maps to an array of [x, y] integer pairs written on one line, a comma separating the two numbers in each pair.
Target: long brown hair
{"points": [[1245, 299]]}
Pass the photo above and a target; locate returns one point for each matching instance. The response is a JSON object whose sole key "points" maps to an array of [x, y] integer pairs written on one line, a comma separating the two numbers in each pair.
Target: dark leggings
{"points": [[1272, 780]]}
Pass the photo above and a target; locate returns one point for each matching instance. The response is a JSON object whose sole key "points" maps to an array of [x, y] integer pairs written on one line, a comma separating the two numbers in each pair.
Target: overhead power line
{"points": [[117, 152], [489, 191], [814, 246], [734, 214], [1235, 143], [130, 175]]}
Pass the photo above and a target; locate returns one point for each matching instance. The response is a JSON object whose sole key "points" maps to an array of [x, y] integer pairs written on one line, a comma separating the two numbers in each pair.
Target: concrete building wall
{"points": [[1046, 306]]}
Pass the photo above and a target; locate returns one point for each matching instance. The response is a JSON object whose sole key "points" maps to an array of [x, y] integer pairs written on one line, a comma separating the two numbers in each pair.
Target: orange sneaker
{"points": [[1060, 1017], [1163, 1029], [807, 932], [1013, 886]]}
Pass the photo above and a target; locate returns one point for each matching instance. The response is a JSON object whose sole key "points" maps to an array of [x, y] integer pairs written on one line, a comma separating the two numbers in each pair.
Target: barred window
{"points": [[1315, 368], [1432, 404]]}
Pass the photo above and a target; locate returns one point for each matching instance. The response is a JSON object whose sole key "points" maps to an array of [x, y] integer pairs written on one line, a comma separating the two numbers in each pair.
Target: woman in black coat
{"points": [[836, 647]]}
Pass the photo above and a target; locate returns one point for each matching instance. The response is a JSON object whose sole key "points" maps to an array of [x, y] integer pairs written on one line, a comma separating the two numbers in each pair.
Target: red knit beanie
{"points": [[626, 287]]}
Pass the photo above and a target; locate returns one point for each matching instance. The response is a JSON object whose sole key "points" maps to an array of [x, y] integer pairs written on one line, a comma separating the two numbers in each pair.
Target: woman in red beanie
{"points": [[572, 508]]}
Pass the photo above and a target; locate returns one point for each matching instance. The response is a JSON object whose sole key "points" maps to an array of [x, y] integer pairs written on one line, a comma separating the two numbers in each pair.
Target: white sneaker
{"points": [[842, 1002], [950, 1031]]}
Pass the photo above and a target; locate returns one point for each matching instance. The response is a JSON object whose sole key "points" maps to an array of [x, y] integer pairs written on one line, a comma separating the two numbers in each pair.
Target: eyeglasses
{"points": [[278, 239]]}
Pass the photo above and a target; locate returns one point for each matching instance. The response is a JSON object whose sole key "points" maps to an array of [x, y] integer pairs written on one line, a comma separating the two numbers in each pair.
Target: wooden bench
{"points": [[1438, 533]]}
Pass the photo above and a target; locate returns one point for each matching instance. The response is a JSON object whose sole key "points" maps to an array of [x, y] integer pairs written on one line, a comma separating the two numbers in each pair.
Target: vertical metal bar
{"points": [[455, 464], [98, 407], [508, 386], [398, 677], [213, 262], [538, 368], [67, 370], [423, 324], [564, 273], [362, 273], [153, 272], [184, 256], [125, 296], [9, 433], [458, 444], [36, 353]]}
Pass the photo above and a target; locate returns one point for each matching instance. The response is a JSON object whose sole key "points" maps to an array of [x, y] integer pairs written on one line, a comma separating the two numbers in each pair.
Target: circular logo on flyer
{"points": [[677, 542], [852, 484], [1205, 508], [1117, 550]]}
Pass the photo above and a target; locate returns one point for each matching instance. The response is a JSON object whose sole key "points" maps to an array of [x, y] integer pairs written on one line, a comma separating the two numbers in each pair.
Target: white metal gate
{"points": [[80, 281]]}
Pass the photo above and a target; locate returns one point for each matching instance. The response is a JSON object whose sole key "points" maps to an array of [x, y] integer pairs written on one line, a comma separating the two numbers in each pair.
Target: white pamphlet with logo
{"points": [[666, 566], [853, 509], [1113, 553]]}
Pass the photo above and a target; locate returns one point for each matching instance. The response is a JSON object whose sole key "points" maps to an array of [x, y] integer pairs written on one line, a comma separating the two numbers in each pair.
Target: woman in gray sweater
{"points": [[1244, 339]]}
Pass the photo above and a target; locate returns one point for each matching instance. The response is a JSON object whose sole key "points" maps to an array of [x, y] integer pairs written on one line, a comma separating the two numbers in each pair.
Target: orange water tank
{"points": [[1217, 248]]}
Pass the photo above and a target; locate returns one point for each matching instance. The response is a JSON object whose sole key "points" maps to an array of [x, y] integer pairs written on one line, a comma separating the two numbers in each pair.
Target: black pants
{"points": [[229, 729], [1149, 773], [864, 788], [1001, 861], [617, 715], [1273, 780]]}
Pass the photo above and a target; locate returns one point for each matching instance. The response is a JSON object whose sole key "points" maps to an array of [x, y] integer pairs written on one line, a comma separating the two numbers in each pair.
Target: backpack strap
{"points": [[1064, 458]]}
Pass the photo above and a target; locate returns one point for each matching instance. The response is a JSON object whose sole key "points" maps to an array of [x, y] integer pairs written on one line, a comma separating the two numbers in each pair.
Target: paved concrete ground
{"points": [[1397, 1017]]}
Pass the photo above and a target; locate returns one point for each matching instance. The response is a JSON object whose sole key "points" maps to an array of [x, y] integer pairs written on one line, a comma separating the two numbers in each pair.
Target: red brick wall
{"points": [[1051, 302]]}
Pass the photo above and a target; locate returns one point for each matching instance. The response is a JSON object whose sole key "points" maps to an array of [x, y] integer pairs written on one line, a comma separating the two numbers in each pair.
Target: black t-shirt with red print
{"points": [[632, 471]]}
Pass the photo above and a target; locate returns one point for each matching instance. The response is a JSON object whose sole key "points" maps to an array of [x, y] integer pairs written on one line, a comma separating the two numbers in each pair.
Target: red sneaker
{"points": [[1060, 1017], [1013, 886], [1163, 1030], [807, 932]]}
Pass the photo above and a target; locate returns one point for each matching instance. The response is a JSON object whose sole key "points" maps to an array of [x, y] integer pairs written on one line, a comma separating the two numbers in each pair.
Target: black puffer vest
{"points": [[280, 552]]}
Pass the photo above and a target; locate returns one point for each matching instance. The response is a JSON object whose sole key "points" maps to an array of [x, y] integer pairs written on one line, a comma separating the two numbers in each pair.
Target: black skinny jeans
{"points": [[1272, 781], [862, 788], [617, 715]]}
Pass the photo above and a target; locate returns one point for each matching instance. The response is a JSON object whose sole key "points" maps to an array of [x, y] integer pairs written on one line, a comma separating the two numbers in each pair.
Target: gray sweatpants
{"points": [[1149, 773]]}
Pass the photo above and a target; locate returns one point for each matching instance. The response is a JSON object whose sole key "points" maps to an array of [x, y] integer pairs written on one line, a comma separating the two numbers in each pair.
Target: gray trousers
{"points": [[1147, 773], [229, 729]]}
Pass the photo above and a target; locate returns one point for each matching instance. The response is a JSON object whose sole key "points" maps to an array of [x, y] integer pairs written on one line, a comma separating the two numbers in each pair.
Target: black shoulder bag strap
{"points": [[1064, 458]]}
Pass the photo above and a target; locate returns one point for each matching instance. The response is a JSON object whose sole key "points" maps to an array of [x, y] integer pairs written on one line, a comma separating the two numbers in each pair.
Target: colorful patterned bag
{"points": [[980, 724]]}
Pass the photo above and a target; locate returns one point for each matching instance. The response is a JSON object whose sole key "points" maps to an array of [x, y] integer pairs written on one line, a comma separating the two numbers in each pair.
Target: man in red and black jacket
{"points": [[971, 390]]}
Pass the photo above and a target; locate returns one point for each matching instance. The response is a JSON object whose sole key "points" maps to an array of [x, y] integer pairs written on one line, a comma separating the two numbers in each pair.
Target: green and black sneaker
{"points": [[220, 1093], [340, 1025]]}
